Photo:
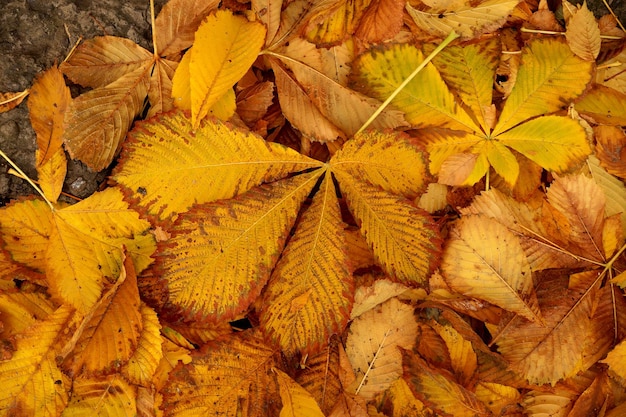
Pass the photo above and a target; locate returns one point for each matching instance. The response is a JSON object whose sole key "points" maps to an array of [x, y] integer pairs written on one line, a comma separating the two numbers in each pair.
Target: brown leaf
{"points": [[611, 149], [97, 121], [177, 22], [583, 34], [382, 20]]}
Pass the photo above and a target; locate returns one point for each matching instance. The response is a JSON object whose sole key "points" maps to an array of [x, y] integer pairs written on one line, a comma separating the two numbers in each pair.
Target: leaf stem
{"points": [[551, 32], [155, 52], [24, 176], [452, 36]]}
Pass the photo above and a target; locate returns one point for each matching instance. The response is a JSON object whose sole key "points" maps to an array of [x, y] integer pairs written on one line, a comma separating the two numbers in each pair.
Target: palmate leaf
{"points": [[310, 294], [166, 156], [232, 377], [83, 243], [549, 77], [402, 236], [221, 254], [426, 100], [32, 383]]}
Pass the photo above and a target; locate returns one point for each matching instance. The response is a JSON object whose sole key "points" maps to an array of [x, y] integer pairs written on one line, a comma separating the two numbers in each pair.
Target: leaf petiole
{"points": [[452, 36], [24, 176]]}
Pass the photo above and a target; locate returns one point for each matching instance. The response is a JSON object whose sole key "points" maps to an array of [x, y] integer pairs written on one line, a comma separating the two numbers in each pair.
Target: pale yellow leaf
{"points": [[468, 20], [434, 199], [268, 12], [367, 298], [297, 402], [484, 260], [463, 169], [614, 189], [309, 295], [372, 346]]}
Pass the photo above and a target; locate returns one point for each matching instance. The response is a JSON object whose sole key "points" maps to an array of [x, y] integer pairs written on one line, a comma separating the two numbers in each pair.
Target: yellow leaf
{"points": [[51, 174], [144, 362], [616, 360], [554, 142], [102, 60], [426, 100], [310, 293], [485, 260], [400, 402], [224, 108], [177, 23], [47, 103], [393, 161], [550, 77], [230, 247], [373, 342], [225, 47], [111, 333], [462, 356], [496, 396], [332, 21], [438, 391], [20, 310], [26, 228], [502, 160], [603, 105], [443, 143], [470, 71], [403, 237], [583, 34], [434, 199], [232, 378], [86, 246], [296, 400], [109, 396], [32, 384], [97, 121], [166, 156], [468, 20]]}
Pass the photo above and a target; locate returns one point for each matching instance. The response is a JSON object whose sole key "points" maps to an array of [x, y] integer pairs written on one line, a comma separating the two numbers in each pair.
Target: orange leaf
{"points": [[48, 101], [381, 21], [9, 101]]}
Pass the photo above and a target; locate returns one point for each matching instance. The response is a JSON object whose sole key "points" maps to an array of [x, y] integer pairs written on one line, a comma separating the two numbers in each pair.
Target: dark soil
{"points": [[34, 34]]}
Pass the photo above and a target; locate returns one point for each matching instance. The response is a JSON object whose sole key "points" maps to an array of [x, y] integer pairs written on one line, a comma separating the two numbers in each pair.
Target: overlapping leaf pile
{"points": [[251, 196]]}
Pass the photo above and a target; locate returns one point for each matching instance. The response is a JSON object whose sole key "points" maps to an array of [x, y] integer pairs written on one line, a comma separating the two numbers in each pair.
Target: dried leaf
{"points": [[97, 121], [296, 400], [603, 105], [372, 346], [230, 247], [310, 294], [381, 21], [486, 261], [103, 60], [232, 377], [320, 377], [331, 21], [33, 384], [10, 101], [213, 162], [426, 100], [466, 19], [52, 174], [583, 34], [177, 23]]}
